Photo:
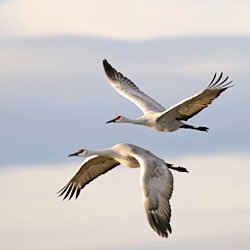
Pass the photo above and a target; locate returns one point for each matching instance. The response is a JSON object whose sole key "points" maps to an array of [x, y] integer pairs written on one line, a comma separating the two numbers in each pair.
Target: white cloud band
{"points": [[123, 19]]}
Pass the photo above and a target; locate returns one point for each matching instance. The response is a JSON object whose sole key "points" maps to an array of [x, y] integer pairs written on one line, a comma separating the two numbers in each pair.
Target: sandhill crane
{"points": [[155, 179], [155, 115]]}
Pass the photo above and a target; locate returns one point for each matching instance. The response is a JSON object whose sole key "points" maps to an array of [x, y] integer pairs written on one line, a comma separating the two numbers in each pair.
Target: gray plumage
{"points": [[156, 180], [155, 115]]}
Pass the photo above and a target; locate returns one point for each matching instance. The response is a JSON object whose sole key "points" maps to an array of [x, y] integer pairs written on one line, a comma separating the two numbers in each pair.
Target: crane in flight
{"points": [[155, 115], [156, 180]]}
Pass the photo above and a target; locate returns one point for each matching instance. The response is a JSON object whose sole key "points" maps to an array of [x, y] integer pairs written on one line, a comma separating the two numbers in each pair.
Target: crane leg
{"points": [[179, 169], [196, 128]]}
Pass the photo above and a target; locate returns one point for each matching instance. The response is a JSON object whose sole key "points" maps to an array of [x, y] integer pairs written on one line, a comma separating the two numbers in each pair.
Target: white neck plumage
{"points": [[88, 153], [139, 121]]}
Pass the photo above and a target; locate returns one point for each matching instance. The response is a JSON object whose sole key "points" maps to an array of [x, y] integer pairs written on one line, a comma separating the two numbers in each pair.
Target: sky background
{"points": [[55, 99]]}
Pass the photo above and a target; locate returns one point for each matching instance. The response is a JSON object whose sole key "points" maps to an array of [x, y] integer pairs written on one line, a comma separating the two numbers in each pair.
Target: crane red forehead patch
{"points": [[117, 117], [80, 151]]}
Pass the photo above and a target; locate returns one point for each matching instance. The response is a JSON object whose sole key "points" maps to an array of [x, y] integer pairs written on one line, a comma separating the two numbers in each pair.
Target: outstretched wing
{"points": [[90, 169], [157, 187], [129, 90], [189, 107]]}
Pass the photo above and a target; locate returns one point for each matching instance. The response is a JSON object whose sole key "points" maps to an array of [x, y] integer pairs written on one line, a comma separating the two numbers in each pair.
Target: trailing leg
{"points": [[196, 128], [179, 169]]}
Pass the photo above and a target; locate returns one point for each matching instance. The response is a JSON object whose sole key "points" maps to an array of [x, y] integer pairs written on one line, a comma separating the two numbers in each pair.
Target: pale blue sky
{"points": [[53, 88], [54, 99]]}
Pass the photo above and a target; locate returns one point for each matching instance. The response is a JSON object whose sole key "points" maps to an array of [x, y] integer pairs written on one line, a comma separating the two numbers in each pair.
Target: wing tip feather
{"points": [[109, 70], [216, 83], [159, 224], [68, 191]]}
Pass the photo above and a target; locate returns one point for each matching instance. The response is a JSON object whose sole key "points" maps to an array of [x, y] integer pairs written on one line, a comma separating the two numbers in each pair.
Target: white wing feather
{"points": [[129, 90], [157, 186]]}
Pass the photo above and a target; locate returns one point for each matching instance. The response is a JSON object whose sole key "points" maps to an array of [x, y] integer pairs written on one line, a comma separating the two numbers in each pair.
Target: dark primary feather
{"points": [[113, 74], [89, 170]]}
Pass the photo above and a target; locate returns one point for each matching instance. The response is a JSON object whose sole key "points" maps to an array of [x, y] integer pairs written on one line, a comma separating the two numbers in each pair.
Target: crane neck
{"points": [[138, 121], [106, 153]]}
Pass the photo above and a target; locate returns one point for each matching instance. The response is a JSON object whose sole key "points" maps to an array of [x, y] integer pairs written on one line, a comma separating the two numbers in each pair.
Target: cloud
{"points": [[210, 208], [123, 19]]}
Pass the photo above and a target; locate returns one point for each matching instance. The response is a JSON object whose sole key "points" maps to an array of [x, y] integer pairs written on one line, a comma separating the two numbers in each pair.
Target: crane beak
{"points": [[74, 154], [113, 120]]}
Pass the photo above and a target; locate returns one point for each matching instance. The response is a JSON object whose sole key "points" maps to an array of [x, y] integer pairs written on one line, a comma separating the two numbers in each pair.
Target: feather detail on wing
{"points": [[129, 90], [90, 169], [189, 107], [157, 187]]}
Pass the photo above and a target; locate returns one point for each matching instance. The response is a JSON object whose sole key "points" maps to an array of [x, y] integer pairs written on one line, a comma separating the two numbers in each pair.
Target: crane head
{"points": [[117, 118], [80, 152]]}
